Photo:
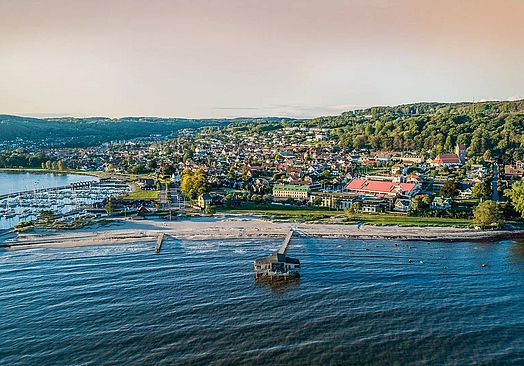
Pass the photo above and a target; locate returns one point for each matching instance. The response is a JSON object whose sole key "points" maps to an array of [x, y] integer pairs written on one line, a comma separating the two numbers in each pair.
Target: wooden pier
{"points": [[159, 242], [285, 244]]}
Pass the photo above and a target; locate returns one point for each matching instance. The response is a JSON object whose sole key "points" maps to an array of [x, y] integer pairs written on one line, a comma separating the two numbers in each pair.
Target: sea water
{"points": [[357, 302]]}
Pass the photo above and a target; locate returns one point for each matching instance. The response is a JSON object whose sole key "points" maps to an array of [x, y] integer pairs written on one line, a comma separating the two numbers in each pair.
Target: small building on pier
{"points": [[278, 265]]}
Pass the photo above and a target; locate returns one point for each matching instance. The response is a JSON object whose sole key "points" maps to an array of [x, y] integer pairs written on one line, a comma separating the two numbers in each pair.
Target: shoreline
{"points": [[238, 227]]}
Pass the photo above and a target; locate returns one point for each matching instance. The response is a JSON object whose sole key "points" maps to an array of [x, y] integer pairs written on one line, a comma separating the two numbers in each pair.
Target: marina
{"points": [[63, 200]]}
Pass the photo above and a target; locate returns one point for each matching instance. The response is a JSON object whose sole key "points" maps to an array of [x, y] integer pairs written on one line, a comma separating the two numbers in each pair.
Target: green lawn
{"points": [[386, 219], [142, 195]]}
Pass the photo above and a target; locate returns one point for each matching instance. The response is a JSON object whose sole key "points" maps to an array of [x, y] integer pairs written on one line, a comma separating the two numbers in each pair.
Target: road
{"points": [[495, 197]]}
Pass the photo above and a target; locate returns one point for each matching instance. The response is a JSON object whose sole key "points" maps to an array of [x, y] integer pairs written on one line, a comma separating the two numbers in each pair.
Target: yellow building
{"points": [[297, 192]]}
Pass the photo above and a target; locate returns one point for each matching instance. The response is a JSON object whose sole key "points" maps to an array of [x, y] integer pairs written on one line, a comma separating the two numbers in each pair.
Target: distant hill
{"points": [[95, 130], [426, 128]]}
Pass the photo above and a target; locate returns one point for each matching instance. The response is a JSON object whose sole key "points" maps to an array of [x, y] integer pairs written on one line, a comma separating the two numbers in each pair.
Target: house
{"points": [[440, 203], [373, 207], [402, 205], [204, 200], [466, 193], [399, 169], [338, 201], [277, 265], [382, 157], [410, 158], [382, 189], [515, 171]]}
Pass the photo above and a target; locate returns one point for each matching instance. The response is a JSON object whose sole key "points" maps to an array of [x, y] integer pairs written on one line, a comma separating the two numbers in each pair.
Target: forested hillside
{"points": [[432, 128], [93, 131]]}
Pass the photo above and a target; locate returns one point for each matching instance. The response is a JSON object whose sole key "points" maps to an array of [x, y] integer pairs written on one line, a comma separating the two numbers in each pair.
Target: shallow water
{"points": [[197, 303]]}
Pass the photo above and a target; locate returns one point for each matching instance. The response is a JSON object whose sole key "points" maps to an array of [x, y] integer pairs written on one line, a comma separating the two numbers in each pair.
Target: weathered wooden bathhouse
{"points": [[278, 265]]}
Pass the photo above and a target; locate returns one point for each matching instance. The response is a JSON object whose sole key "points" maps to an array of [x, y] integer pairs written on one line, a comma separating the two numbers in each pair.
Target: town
{"points": [[286, 166]]}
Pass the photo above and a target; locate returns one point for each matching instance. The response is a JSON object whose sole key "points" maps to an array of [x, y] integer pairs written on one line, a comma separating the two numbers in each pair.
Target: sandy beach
{"points": [[224, 227]]}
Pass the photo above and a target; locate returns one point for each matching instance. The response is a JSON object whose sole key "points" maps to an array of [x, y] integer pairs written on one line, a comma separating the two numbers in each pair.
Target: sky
{"points": [[230, 58]]}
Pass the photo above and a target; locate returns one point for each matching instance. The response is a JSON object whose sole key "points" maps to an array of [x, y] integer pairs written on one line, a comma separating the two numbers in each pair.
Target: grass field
{"points": [[142, 195]]}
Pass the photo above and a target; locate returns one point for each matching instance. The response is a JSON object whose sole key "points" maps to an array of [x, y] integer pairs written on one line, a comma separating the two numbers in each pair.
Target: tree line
{"points": [[433, 128]]}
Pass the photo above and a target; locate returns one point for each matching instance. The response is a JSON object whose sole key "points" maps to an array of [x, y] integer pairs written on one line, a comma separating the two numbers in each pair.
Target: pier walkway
{"points": [[159, 242], [285, 244]]}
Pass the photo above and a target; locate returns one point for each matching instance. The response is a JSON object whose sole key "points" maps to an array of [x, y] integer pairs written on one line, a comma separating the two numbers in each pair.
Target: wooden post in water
{"points": [[159, 242]]}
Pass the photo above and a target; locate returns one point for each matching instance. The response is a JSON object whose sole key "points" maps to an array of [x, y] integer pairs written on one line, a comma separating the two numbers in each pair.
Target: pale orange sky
{"points": [[227, 58]]}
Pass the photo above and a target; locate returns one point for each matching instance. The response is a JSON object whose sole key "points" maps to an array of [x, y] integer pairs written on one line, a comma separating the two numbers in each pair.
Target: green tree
{"points": [[516, 196], [209, 211], [256, 198], [426, 200], [168, 169], [317, 201], [46, 215], [109, 207], [449, 189], [482, 191], [245, 173], [194, 184], [487, 213], [416, 203], [279, 176], [267, 198], [487, 156], [61, 165], [356, 206]]}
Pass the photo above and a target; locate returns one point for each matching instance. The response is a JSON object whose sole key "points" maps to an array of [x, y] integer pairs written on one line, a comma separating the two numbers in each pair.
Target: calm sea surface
{"points": [[197, 303], [18, 182]]}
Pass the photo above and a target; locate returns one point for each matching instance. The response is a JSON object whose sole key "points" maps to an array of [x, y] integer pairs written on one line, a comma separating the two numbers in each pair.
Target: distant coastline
{"points": [[45, 171]]}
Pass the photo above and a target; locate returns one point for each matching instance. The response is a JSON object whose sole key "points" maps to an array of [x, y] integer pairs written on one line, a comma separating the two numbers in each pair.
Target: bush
{"points": [[23, 224], [210, 211]]}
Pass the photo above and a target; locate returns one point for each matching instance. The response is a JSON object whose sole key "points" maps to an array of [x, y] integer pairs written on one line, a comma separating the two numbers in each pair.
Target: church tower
{"points": [[460, 150]]}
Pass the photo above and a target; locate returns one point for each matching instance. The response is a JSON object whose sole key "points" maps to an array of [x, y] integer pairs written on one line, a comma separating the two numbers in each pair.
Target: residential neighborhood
{"points": [[290, 165]]}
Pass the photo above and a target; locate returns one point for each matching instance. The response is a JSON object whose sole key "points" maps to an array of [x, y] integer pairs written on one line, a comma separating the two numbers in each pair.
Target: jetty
{"points": [[159, 242], [285, 244], [278, 266]]}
